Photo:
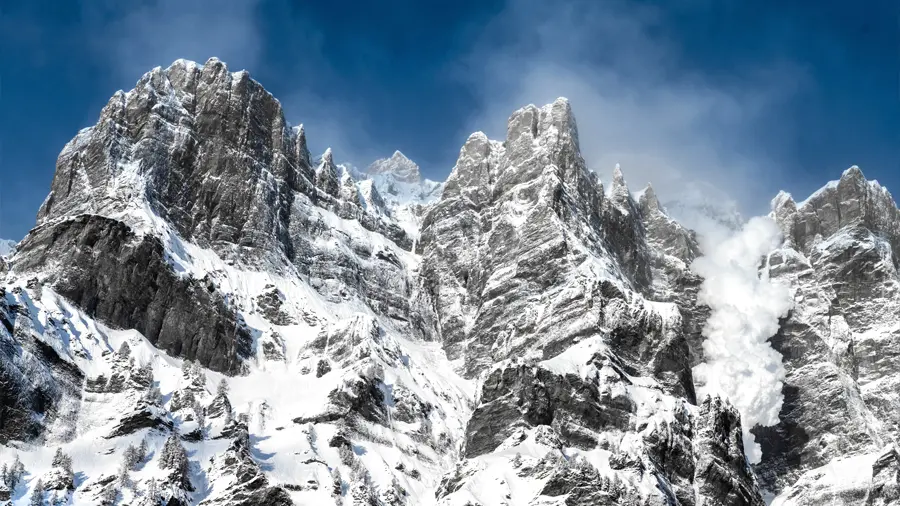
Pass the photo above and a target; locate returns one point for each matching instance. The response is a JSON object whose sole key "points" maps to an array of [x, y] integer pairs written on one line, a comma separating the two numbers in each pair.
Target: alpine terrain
{"points": [[206, 313]]}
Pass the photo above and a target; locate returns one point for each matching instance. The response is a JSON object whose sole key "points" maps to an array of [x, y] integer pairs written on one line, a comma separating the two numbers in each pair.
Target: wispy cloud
{"points": [[133, 37], [634, 100], [333, 123]]}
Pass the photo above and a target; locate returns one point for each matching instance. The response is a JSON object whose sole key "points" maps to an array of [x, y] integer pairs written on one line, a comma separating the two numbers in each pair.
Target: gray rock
{"points": [[104, 268], [248, 486]]}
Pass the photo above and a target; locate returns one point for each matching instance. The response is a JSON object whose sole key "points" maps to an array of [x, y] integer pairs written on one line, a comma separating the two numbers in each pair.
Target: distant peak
{"points": [[7, 247], [399, 166]]}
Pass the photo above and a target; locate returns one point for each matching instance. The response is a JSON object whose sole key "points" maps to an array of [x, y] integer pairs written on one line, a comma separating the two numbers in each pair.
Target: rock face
{"points": [[839, 344], [38, 387], [100, 265], [523, 218], [262, 327]]}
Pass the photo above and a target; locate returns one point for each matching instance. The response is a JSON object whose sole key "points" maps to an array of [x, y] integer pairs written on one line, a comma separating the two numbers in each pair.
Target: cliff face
{"points": [[518, 334], [839, 344]]}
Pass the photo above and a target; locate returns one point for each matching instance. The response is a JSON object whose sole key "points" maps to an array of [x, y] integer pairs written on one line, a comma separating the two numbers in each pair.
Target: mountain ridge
{"points": [[514, 335]]}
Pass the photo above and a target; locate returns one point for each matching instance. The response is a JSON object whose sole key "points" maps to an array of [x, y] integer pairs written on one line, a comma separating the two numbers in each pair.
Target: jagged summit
{"points": [[327, 157], [554, 120], [7, 247], [281, 330], [619, 189], [648, 199], [399, 166]]}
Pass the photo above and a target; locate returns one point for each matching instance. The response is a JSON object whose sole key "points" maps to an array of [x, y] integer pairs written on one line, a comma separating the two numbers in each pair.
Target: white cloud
{"points": [[634, 101], [134, 37], [746, 308]]}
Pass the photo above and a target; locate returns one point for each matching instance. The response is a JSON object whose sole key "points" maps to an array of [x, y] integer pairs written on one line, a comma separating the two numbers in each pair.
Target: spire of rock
{"points": [[559, 114], [327, 175], [301, 148], [649, 201], [619, 189]]}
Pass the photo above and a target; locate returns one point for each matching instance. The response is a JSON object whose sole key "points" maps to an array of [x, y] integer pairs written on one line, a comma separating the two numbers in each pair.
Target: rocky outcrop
{"points": [[247, 484], [102, 266], [517, 249], [38, 387], [838, 344], [143, 417], [721, 472], [528, 396]]}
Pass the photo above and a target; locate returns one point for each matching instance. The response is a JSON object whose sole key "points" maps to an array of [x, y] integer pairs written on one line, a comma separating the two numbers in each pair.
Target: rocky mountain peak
{"points": [[399, 166], [301, 149], [519, 337], [619, 189], [554, 121], [327, 174], [851, 201], [648, 200]]}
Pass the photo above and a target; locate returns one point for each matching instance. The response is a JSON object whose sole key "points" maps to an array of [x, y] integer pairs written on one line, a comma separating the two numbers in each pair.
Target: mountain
{"points": [[399, 166], [7, 247], [403, 189], [206, 314]]}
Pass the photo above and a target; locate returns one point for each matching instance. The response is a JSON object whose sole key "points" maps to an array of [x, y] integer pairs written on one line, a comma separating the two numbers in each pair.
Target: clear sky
{"points": [[752, 96]]}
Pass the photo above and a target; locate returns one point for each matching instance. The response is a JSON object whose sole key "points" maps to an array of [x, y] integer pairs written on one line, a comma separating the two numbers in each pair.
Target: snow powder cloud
{"points": [[746, 306]]}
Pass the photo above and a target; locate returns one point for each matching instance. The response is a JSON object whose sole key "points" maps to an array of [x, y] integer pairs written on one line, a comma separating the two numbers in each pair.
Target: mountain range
{"points": [[207, 314]]}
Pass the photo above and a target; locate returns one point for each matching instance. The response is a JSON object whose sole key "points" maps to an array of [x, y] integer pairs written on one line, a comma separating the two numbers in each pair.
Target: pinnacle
{"points": [[853, 172], [619, 186], [327, 158]]}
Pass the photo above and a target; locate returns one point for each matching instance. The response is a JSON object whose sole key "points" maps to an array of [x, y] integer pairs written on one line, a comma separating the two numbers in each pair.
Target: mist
{"points": [[634, 101]]}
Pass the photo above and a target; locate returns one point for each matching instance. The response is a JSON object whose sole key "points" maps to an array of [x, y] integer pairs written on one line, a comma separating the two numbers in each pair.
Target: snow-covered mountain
{"points": [[206, 314], [402, 187], [7, 247], [398, 166]]}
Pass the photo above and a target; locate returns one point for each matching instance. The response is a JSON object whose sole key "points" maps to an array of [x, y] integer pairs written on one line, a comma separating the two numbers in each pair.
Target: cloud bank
{"points": [[746, 307]]}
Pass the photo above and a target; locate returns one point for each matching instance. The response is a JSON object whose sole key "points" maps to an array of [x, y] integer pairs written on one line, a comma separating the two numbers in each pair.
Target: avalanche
{"points": [[746, 306]]}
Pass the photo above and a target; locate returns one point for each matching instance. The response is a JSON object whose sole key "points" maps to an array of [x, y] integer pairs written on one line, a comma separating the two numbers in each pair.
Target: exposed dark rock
{"points": [[524, 395], [34, 380], [125, 280], [248, 484], [144, 417], [721, 473], [270, 302]]}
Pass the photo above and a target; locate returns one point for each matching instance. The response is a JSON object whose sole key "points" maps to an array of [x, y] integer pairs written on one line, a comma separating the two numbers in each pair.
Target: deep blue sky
{"points": [[757, 96]]}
